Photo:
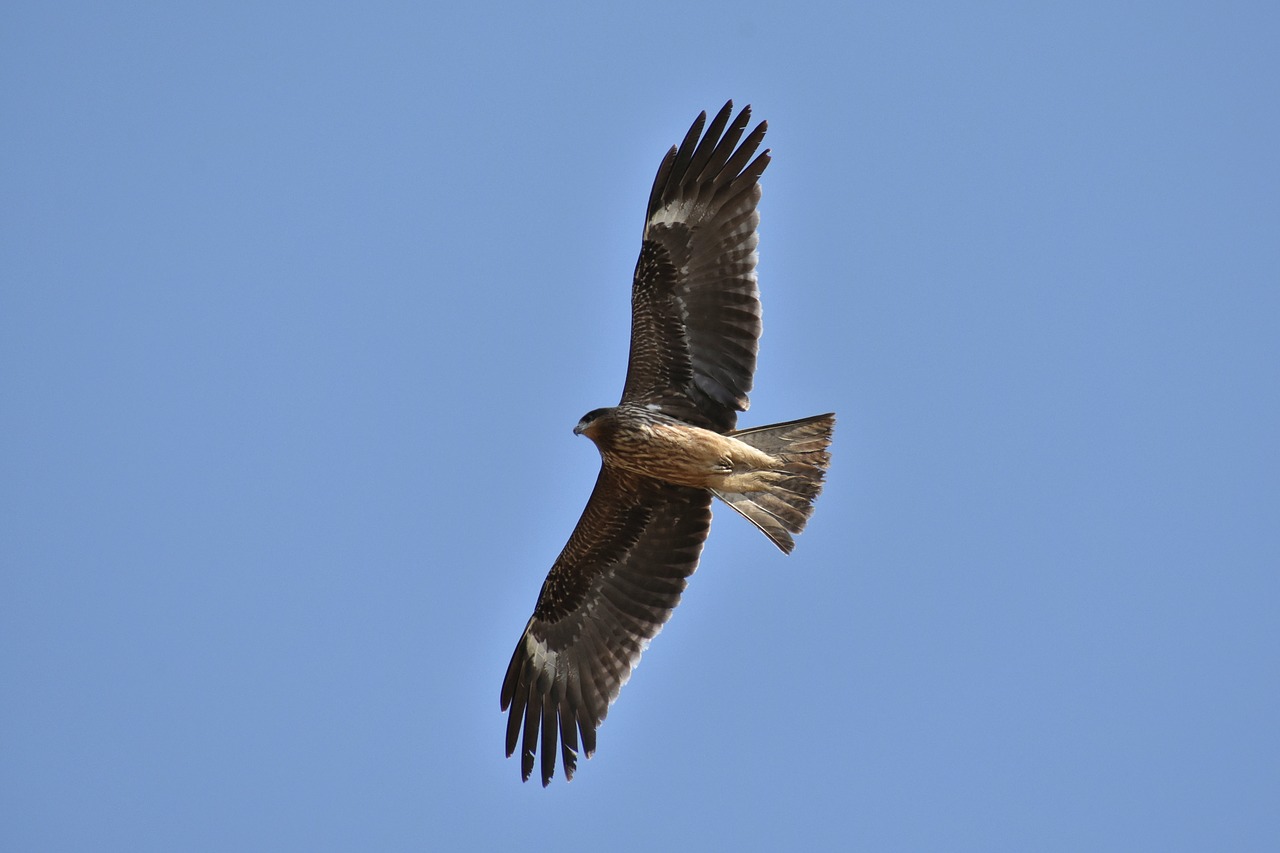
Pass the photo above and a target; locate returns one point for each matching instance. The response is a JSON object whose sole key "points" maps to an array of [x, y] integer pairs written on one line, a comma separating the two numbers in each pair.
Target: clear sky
{"points": [[300, 303]]}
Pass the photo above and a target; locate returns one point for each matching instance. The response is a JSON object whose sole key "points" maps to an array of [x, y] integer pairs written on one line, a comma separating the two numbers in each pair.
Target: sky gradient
{"points": [[299, 304]]}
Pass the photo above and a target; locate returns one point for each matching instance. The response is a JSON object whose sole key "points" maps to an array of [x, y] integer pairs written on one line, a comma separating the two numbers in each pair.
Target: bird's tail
{"points": [[784, 506]]}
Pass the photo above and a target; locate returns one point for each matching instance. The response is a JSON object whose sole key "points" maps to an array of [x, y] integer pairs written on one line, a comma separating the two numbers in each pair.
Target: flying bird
{"points": [[666, 449]]}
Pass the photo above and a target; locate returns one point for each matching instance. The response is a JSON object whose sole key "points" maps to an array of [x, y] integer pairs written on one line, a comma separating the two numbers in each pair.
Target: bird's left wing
{"points": [[609, 593], [695, 304]]}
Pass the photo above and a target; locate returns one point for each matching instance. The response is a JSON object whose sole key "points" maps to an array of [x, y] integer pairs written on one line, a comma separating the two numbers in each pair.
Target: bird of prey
{"points": [[666, 449]]}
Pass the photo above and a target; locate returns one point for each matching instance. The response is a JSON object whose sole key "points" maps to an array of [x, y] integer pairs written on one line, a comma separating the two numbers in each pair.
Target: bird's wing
{"points": [[695, 306], [608, 594]]}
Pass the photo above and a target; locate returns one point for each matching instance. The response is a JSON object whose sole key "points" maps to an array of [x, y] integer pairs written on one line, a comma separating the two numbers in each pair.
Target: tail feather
{"points": [[799, 449]]}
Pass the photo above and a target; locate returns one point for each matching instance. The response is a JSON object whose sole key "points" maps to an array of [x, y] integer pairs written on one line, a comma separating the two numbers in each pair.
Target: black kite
{"points": [[666, 449]]}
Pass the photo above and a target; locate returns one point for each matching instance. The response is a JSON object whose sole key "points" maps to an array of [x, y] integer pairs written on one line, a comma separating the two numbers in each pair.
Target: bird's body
{"points": [[666, 449], [647, 442]]}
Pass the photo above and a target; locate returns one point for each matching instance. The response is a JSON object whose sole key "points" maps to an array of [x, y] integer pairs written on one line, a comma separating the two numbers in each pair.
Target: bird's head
{"points": [[591, 423]]}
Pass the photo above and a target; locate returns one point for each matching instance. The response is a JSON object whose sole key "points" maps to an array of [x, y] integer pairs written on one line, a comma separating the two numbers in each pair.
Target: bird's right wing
{"points": [[609, 593]]}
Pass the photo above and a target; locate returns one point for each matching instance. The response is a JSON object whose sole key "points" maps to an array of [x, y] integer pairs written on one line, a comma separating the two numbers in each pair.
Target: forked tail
{"points": [[800, 451]]}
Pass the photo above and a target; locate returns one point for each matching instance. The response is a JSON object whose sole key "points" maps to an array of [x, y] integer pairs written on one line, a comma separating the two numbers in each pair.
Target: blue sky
{"points": [[301, 302]]}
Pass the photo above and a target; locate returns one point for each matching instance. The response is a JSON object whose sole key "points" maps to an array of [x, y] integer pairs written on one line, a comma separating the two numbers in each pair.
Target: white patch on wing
{"points": [[679, 211], [542, 657], [653, 407]]}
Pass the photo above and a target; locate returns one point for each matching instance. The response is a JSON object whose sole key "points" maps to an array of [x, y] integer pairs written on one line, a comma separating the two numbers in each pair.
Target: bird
{"points": [[668, 447]]}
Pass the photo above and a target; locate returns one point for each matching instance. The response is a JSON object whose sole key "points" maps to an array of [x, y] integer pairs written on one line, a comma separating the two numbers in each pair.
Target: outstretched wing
{"points": [[610, 591], [695, 306]]}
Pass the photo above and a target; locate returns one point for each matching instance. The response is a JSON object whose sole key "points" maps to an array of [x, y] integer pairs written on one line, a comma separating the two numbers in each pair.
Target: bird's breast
{"points": [[669, 451]]}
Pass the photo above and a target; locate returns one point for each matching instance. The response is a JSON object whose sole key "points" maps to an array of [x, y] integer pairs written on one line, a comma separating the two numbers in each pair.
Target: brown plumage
{"points": [[665, 449]]}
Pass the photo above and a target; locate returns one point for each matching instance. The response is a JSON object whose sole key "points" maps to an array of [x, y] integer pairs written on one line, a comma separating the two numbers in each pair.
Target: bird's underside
{"points": [[666, 449]]}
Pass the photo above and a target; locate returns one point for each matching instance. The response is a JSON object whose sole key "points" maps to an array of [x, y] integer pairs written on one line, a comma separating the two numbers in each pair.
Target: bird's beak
{"points": [[577, 430]]}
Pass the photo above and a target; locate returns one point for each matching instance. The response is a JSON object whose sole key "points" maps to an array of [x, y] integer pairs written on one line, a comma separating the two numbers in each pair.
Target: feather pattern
{"points": [[695, 316], [608, 594]]}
